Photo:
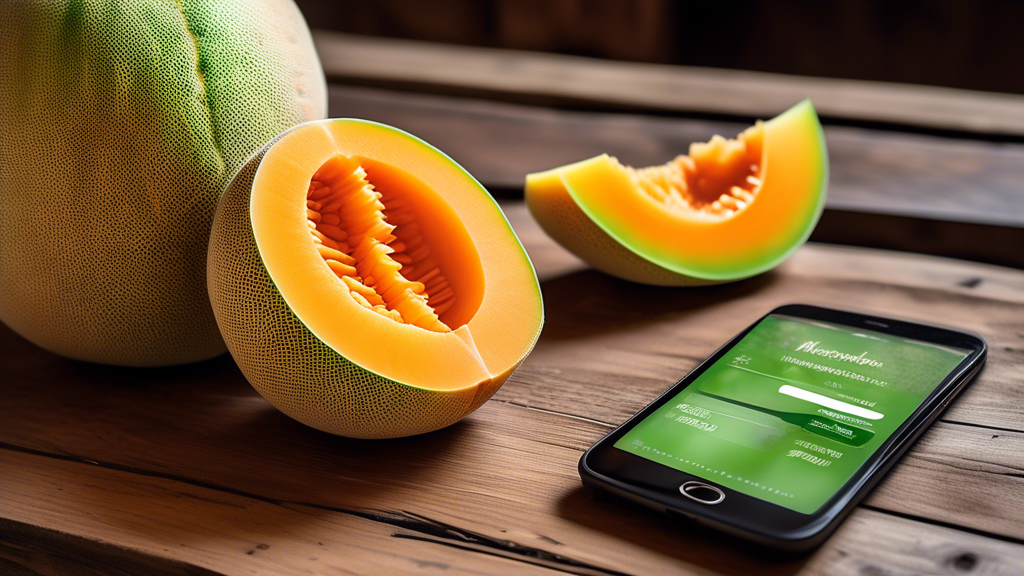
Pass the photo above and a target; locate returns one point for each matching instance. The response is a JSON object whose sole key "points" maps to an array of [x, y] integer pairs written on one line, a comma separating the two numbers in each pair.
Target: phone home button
{"points": [[701, 492]]}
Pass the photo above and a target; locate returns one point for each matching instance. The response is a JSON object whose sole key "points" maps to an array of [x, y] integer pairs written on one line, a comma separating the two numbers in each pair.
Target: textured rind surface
{"points": [[120, 124], [292, 368]]}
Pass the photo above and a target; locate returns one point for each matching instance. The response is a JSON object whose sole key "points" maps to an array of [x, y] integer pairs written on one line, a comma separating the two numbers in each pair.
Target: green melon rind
{"points": [[289, 365], [741, 270], [563, 220], [103, 263]]}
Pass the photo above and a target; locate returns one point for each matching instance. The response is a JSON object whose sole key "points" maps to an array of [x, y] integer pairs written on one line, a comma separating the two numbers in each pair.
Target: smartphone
{"points": [[782, 431]]}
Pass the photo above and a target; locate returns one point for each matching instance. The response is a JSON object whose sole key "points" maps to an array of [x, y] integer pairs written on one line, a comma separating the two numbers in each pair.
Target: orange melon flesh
{"points": [[359, 243], [352, 226], [729, 210]]}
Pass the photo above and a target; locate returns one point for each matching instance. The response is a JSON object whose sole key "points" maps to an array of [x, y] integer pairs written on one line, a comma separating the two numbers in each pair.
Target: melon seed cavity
{"points": [[715, 181], [370, 240]]}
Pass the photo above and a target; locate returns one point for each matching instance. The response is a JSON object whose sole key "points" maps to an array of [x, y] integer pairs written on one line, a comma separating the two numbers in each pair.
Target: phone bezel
{"points": [[656, 485]]}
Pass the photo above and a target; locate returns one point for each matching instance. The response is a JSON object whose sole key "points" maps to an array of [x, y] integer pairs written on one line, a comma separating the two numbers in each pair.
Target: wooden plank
{"points": [[224, 531], [157, 524], [148, 459], [887, 190], [842, 263], [171, 435], [959, 474], [27, 549], [571, 79], [932, 553], [960, 240], [891, 173]]}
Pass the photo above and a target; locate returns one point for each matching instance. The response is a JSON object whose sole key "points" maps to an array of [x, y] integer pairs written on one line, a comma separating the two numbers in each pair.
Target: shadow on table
{"points": [[201, 440], [587, 302], [687, 542], [257, 477]]}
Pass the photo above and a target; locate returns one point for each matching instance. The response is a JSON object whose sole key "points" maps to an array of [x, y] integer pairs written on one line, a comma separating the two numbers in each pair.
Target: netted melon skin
{"points": [[293, 369], [120, 123]]}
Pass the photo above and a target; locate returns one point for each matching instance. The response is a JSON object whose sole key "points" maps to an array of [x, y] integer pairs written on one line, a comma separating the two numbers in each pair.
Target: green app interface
{"points": [[793, 410]]}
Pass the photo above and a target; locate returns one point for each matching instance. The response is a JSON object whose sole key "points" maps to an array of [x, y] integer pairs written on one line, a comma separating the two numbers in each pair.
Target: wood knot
{"points": [[965, 562]]}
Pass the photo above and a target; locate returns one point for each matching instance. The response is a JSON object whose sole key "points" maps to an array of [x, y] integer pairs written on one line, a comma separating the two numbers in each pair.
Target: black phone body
{"points": [[778, 450]]}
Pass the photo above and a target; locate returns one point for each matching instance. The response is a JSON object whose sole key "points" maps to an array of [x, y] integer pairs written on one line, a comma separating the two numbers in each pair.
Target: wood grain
{"points": [[870, 170], [191, 466], [569, 79], [888, 190], [29, 550], [165, 524]]}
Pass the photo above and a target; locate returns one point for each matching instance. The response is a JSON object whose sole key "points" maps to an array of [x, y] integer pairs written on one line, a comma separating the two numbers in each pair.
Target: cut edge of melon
{"points": [[606, 194], [473, 355]]}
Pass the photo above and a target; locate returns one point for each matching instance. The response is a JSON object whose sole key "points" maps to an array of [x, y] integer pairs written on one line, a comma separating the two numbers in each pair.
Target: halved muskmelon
{"points": [[366, 284], [120, 125], [729, 210]]}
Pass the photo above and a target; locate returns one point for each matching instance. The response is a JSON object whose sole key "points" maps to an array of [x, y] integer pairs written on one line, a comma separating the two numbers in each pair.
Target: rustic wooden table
{"points": [[188, 471]]}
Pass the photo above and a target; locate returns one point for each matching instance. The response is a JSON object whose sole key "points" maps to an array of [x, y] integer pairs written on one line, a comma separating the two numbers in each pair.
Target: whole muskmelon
{"points": [[120, 124]]}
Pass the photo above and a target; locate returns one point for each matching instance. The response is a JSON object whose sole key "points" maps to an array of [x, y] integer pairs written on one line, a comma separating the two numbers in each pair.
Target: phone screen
{"points": [[793, 409]]}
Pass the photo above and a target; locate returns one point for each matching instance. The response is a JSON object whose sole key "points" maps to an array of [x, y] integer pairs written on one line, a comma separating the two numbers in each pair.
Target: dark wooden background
{"points": [[927, 170], [954, 43]]}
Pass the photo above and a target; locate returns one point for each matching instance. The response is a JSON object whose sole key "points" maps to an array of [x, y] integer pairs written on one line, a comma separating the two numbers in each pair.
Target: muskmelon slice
{"points": [[366, 284], [729, 210]]}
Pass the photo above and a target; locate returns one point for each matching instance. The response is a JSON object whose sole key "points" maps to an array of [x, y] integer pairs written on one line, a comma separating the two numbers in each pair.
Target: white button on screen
{"points": [[830, 402]]}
